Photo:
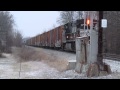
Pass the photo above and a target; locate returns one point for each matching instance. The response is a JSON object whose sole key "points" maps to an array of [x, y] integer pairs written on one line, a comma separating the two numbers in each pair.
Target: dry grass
{"points": [[55, 62], [60, 65], [52, 60], [28, 54]]}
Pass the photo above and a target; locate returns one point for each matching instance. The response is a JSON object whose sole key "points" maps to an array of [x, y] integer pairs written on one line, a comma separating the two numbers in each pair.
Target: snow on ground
{"points": [[41, 70], [115, 65], [10, 69], [36, 69]]}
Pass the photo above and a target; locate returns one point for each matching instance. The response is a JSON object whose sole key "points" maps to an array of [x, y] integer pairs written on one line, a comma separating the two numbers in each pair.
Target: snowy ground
{"points": [[11, 69], [115, 65]]}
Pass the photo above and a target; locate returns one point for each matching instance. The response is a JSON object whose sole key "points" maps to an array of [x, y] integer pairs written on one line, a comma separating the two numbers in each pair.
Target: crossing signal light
{"points": [[88, 21]]}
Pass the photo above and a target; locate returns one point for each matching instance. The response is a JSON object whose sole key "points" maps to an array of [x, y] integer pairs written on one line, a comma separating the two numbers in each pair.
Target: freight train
{"points": [[62, 37]]}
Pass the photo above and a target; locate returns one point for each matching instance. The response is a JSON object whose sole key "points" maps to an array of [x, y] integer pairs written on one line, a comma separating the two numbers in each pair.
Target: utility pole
{"points": [[100, 41]]}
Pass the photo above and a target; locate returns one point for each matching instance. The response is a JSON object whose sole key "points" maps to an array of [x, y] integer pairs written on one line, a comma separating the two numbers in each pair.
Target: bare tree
{"points": [[6, 28], [66, 16], [69, 16], [78, 15]]}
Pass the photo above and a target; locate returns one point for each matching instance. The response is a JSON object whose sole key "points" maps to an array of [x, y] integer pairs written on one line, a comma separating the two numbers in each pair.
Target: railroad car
{"points": [[62, 37]]}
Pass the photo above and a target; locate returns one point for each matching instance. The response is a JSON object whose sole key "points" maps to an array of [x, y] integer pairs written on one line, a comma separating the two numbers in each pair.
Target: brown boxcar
{"points": [[55, 36], [61, 28], [48, 39], [38, 40], [32, 41], [35, 41], [58, 37], [45, 39], [41, 39], [52, 38]]}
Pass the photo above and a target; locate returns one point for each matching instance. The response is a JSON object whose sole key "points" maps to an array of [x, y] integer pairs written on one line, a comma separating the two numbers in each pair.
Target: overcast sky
{"points": [[31, 23]]}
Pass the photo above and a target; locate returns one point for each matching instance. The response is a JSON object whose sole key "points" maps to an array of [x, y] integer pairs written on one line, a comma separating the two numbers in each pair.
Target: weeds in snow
{"points": [[58, 63], [28, 54]]}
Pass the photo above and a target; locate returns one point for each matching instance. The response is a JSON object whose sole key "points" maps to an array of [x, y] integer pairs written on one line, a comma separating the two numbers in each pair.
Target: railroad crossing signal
{"points": [[88, 21]]}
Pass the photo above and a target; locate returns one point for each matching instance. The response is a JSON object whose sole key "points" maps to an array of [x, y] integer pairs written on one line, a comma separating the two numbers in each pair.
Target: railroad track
{"points": [[73, 52], [105, 56], [112, 57]]}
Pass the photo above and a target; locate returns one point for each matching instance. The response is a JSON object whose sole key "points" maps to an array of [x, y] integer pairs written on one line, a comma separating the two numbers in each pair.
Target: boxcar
{"points": [[48, 39], [52, 38]]}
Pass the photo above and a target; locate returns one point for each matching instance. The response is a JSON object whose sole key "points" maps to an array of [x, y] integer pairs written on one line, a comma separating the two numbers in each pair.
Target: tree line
{"points": [[9, 36]]}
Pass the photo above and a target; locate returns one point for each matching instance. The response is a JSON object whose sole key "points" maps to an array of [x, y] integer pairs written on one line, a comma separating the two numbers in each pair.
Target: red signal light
{"points": [[88, 22]]}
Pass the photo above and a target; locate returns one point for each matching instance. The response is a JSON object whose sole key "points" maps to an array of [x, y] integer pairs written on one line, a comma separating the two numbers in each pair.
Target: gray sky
{"points": [[31, 23]]}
